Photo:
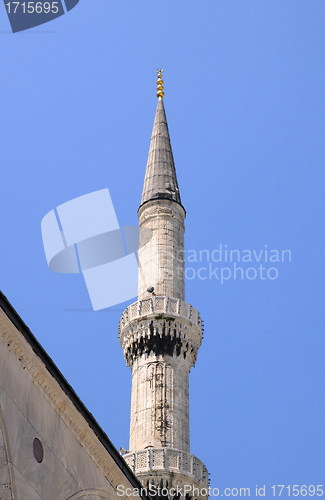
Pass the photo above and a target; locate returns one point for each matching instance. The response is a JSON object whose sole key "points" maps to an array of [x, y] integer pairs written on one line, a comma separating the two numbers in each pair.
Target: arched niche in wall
{"points": [[7, 485], [91, 494]]}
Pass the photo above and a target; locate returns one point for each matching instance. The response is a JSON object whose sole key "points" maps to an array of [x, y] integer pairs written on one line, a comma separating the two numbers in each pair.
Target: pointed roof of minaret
{"points": [[160, 180]]}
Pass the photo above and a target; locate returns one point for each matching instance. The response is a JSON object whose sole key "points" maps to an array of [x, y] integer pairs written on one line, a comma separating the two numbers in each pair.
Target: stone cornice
{"points": [[35, 368]]}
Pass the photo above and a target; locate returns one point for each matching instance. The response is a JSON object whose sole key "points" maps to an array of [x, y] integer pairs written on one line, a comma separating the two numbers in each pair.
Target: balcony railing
{"points": [[161, 305], [169, 459]]}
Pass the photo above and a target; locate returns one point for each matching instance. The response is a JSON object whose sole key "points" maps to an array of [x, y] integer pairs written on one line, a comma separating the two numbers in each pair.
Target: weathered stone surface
{"points": [[161, 241], [159, 404]]}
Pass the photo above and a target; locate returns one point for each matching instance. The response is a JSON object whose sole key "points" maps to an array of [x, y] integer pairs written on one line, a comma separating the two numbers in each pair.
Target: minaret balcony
{"points": [[160, 325], [168, 460]]}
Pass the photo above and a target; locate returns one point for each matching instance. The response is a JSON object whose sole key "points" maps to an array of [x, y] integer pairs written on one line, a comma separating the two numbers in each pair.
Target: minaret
{"points": [[161, 333]]}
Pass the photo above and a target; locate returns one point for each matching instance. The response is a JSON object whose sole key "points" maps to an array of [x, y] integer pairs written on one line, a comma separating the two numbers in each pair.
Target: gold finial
{"points": [[160, 88]]}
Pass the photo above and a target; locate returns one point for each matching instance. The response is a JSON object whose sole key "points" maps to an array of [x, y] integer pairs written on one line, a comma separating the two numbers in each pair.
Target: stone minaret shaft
{"points": [[161, 333]]}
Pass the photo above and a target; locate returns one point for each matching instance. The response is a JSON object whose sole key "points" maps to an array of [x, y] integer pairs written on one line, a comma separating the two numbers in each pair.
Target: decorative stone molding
{"points": [[7, 486], [160, 325], [168, 460], [61, 403], [161, 305], [3, 457], [5, 492], [162, 208]]}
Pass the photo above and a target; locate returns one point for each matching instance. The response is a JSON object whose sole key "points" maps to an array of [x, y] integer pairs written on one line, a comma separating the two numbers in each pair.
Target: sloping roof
{"points": [[14, 317], [160, 179]]}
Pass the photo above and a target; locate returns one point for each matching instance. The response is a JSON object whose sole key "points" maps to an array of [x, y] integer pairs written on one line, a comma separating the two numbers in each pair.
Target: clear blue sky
{"points": [[244, 84]]}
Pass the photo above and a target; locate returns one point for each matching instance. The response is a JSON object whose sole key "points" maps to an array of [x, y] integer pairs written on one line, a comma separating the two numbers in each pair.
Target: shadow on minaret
{"points": [[160, 345]]}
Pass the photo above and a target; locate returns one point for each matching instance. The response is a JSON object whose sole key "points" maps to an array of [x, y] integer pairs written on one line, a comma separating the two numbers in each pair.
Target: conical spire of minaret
{"points": [[160, 179]]}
